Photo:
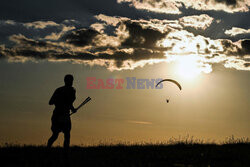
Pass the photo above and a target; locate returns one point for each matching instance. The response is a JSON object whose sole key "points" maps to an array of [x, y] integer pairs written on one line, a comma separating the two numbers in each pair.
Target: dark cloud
{"points": [[247, 64], [30, 49], [230, 48], [20, 39], [246, 46], [129, 43], [139, 54], [227, 2], [227, 44], [80, 37], [141, 37], [133, 43], [138, 42], [83, 11]]}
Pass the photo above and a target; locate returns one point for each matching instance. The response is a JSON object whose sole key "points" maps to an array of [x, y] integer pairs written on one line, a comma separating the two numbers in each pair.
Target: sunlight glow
{"points": [[188, 67]]}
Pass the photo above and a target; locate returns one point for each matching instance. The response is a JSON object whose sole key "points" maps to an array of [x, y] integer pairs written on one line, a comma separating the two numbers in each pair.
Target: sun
{"points": [[188, 67]]}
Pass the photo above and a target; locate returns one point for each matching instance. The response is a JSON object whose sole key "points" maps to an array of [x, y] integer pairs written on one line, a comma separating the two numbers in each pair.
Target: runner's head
{"points": [[68, 80]]}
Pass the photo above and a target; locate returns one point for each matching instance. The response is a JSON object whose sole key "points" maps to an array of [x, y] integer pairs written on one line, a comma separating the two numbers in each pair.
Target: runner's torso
{"points": [[63, 99]]}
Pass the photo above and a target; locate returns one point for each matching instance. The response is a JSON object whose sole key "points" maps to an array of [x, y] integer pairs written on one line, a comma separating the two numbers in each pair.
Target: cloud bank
{"points": [[173, 6], [121, 43]]}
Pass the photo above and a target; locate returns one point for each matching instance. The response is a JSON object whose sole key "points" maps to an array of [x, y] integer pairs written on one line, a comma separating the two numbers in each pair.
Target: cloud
{"points": [[239, 48], [237, 31], [236, 63], [246, 64], [170, 7], [47, 30], [141, 37], [40, 24], [57, 35], [227, 2], [108, 19], [98, 27], [140, 122], [80, 37], [120, 43], [233, 55], [174, 6], [230, 6], [198, 22], [245, 44], [73, 50], [7, 22], [126, 34]]}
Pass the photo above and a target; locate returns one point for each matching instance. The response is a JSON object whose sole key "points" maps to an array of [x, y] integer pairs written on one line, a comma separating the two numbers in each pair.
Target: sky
{"points": [[204, 45]]}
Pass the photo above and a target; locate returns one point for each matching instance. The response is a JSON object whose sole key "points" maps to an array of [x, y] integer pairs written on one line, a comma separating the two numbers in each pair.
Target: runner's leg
{"points": [[52, 139], [66, 139]]}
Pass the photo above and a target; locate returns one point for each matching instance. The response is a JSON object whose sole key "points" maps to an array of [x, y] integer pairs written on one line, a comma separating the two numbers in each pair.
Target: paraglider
{"points": [[169, 80]]}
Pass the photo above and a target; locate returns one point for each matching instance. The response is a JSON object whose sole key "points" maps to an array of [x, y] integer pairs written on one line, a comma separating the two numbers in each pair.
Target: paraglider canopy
{"points": [[169, 80]]}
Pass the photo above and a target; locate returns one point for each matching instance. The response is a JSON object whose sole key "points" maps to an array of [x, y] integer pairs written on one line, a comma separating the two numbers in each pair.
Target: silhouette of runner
{"points": [[63, 99]]}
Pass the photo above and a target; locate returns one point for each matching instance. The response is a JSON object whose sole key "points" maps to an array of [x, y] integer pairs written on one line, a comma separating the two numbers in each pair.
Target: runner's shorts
{"points": [[61, 124]]}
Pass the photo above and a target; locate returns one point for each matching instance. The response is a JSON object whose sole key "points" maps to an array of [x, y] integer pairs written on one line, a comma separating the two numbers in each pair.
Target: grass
{"points": [[176, 152]]}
